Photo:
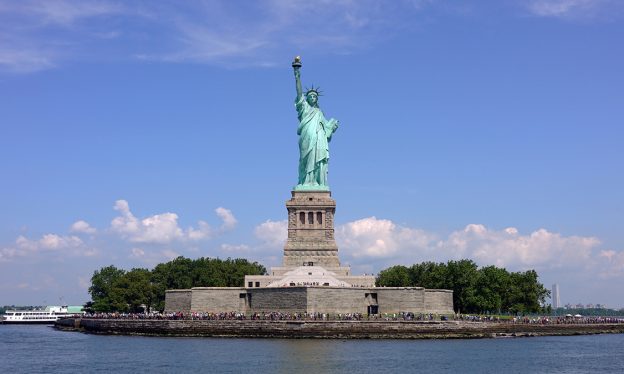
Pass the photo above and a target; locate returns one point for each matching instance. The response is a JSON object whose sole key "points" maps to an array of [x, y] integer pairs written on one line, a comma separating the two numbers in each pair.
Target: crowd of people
{"points": [[302, 316], [567, 320]]}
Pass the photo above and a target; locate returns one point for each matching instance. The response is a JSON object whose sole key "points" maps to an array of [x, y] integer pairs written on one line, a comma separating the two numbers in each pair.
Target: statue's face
{"points": [[312, 98]]}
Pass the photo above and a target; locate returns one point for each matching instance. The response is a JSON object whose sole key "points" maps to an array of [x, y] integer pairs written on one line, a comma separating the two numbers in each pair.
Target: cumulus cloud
{"points": [[69, 244], [159, 228], [82, 227], [372, 237], [375, 239], [507, 247], [7, 253], [614, 263], [163, 228], [49, 242], [383, 242], [272, 233], [229, 221]]}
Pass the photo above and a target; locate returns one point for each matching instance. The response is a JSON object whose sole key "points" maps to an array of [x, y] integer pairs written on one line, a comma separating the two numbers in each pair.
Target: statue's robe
{"points": [[315, 133]]}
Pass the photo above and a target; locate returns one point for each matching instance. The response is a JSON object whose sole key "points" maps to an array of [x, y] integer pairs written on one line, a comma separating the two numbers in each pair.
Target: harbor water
{"points": [[42, 349]]}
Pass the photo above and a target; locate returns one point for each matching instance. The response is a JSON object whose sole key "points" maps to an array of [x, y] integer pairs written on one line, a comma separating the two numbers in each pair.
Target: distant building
{"points": [[556, 302]]}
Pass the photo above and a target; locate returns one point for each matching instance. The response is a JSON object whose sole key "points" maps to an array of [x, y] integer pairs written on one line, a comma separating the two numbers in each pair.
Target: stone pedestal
{"points": [[311, 230]]}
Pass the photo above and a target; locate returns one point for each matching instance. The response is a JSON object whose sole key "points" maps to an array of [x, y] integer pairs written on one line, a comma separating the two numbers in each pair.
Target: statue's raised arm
{"points": [[297, 68], [315, 133]]}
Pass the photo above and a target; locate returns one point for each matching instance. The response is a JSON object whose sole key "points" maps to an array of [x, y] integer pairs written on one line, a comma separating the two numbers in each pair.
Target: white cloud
{"points": [[613, 263], [42, 34], [215, 32], [49, 242], [272, 233], [34, 33], [24, 59], [163, 228], [66, 12], [229, 221], [383, 242], [67, 245], [160, 228], [372, 239], [82, 227], [204, 231], [570, 8], [541, 248], [7, 254], [235, 248]]}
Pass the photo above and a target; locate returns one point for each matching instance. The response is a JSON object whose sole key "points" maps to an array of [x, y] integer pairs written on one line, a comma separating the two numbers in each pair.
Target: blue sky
{"points": [[132, 132]]}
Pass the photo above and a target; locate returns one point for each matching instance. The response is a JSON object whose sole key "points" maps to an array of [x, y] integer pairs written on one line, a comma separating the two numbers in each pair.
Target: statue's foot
{"points": [[311, 187]]}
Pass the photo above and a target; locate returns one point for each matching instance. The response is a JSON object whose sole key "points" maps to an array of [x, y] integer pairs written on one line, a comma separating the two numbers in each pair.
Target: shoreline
{"points": [[306, 329]]}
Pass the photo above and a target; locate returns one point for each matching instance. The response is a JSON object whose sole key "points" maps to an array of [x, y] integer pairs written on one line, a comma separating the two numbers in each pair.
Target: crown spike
{"points": [[316, 90]]}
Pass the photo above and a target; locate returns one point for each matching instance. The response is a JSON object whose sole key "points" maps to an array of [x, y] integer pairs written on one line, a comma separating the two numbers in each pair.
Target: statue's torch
{"points": [[296, 63]]}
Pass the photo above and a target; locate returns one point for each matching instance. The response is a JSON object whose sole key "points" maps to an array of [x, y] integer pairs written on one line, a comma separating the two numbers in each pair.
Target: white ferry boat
{"points": [[48, 315]]}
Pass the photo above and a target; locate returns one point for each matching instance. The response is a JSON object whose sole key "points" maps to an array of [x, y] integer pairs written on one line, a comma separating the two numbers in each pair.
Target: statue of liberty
{"points": [[315, 132]]}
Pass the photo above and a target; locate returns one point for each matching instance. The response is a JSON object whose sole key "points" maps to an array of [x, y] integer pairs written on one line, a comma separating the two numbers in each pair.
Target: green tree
{"points": [[526, 294], [113, 289], [462, 278], [491, 289], [475, 290], [102, 283], [396, 276], [133, 290], [429, 275]]}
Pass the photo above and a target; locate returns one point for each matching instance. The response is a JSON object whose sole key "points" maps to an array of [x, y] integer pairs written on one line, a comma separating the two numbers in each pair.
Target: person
{"points": [[315, 133]]}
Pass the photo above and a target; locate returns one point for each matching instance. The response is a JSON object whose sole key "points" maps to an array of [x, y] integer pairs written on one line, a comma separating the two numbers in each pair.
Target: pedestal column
{"points": [[311, 230]]}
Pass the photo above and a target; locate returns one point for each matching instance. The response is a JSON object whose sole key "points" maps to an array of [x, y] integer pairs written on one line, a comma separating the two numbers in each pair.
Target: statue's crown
{"points": [[316, 90]]}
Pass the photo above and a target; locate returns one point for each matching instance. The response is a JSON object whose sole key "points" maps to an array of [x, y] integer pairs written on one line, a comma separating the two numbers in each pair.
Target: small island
{"points": [[312, 295]]}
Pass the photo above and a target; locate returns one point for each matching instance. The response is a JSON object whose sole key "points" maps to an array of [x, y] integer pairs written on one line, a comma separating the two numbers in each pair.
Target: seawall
{"points": [[329, 329]]}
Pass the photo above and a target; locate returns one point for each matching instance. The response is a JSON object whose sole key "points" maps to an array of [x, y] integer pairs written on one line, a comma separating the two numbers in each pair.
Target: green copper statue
{"points": [[315, 132]]}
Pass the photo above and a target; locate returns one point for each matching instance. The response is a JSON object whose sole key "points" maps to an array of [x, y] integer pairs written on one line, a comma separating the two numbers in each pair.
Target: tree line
{"points": [[475, 290], [602, 312], [117, 290], [487, 289]]}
